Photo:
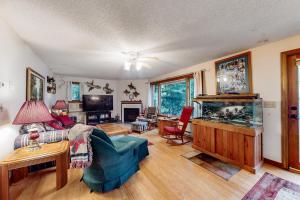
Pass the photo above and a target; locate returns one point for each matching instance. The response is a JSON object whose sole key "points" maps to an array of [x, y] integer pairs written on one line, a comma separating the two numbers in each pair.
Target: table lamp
{"points": [[33, 112], [60, 105]]}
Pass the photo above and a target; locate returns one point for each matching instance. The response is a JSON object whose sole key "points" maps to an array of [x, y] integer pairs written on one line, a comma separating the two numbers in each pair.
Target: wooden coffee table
{"points": [[114, 129], [21, 158]]}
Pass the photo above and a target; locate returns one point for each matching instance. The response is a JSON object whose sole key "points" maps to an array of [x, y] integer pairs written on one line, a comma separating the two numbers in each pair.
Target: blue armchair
{"points": [[114, 162]]}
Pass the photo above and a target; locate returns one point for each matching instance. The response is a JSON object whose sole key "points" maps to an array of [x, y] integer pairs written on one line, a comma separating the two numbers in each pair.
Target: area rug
{"points": [[214, 165], [271, 187]]}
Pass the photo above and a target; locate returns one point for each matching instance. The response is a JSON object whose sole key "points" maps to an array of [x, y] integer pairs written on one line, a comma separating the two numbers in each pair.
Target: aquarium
{"points": [[244, 113]]}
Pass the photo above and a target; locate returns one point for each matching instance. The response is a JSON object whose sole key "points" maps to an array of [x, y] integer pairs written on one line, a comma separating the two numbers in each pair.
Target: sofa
{"points": [[114, 161]]}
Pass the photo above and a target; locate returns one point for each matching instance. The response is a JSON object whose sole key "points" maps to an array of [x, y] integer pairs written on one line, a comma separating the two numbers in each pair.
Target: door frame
{"points": [[284, 107]]}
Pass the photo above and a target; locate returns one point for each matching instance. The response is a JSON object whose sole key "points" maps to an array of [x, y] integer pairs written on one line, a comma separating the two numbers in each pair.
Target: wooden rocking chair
{"points": [[176, 132]]}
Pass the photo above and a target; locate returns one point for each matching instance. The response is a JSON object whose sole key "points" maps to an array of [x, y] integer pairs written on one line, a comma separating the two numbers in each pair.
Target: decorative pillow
{"points": [[25, 128], [65, 120], [45, 137], [54, 125]]}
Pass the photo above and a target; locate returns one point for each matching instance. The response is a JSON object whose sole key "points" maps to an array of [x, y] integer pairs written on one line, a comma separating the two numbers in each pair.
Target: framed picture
{"points": [[34, 85], [234, 74]]}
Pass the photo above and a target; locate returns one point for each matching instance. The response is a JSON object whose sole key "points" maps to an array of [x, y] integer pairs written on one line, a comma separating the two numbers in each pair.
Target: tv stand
{"points": [[99, 117]]}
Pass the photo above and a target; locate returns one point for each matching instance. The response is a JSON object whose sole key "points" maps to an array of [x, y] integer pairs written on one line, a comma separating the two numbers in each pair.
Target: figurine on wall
{"points": [[126, 92], [136, 94], [92, 86], [131, 86], [131, 93], [107, 89]]}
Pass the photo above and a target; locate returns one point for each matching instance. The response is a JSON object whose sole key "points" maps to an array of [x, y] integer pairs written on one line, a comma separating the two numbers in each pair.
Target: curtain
{"points": [[81, 90], [198, 87], [69, 91], [150, 94]]}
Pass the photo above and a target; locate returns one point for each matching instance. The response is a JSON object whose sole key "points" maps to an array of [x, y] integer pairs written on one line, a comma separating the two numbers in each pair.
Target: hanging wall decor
{"points": [[234, 74], [92, 86], [51, 87], [107, 89], [136, 94], [126, 92], [131, 86], [35, 83], [132, 92]]}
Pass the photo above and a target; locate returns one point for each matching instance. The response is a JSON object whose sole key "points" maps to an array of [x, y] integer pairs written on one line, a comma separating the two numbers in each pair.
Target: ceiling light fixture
{"points": [[135, 60], [139, 66], [127, 66]]}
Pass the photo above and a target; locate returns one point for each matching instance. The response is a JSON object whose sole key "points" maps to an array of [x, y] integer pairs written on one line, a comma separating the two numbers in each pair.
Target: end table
{"points": [[21, 157]]}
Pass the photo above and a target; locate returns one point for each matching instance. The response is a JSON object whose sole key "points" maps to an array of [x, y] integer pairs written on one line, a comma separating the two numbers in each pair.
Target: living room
{"points": [[204, 106]]}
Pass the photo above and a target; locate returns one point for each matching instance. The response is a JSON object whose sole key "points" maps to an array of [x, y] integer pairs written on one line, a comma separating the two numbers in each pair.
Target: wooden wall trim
{"points": [[175, 78], [284, 107], [274, 163]]}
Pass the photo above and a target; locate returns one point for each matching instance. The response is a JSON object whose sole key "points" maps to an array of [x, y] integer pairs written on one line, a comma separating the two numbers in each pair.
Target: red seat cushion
{"points": [[172, 130], [65, 120], [55, 125]]}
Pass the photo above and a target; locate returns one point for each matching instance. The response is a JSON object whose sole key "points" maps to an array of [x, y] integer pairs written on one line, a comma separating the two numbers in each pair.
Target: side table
{"points": [[162, 122], [21, 157]]}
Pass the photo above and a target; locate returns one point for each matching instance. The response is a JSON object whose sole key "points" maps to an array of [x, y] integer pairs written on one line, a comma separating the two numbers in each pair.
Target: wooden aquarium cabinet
{"points": [[238, 145]]}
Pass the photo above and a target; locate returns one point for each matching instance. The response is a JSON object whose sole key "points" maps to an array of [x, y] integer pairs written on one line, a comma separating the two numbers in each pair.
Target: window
{"points": [[75, 91], [172, 95]]}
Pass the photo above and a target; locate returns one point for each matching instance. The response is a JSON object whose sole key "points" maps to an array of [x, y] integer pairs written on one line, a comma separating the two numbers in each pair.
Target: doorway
{"points": [[290, 77]]}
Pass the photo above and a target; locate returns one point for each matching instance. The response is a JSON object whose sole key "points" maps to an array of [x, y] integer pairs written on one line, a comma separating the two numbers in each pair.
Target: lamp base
{"points": [[33, 145]]}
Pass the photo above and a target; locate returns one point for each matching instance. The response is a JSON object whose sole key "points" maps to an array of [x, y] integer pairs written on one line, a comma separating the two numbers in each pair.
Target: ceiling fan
{"points": [[135, 59]]}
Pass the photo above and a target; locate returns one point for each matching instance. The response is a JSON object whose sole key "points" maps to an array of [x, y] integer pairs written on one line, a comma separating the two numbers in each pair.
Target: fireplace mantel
{"points": [[130, 104]]}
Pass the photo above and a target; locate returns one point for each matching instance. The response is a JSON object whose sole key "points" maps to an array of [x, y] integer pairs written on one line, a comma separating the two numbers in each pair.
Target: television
{"points": [[92, 103]]}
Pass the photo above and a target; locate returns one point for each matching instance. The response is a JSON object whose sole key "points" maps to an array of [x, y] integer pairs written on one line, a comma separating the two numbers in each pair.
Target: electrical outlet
{"points": [[269, 104]]}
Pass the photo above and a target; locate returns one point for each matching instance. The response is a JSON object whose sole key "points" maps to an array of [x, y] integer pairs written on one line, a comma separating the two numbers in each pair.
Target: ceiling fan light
{"points": [[127, 66], [139, 66]]}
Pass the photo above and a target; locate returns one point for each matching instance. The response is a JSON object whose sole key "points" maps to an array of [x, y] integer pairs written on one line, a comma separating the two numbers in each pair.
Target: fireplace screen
{"points": [[130, 114]]}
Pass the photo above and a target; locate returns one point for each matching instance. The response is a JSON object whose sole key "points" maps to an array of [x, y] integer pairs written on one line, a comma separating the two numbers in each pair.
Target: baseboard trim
{"points": [[274, 163]]}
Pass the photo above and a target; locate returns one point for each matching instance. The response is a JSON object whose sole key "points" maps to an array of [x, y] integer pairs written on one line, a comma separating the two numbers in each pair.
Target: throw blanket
{"points": [[45, 137], [80, 146]]}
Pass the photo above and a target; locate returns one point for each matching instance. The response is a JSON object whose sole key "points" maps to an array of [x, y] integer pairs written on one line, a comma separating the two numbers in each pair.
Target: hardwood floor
{"points": [[165, 174]]}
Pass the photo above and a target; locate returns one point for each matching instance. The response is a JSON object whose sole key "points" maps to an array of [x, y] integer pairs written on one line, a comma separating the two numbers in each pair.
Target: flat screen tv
{"points": [[92, 103]]}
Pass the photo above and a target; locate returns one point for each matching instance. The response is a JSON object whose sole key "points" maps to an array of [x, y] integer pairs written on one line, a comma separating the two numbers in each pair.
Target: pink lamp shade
{"points": [[60, 105], [33, 112]]}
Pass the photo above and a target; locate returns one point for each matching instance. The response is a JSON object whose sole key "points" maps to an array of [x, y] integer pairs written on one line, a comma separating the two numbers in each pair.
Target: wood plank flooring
{"points": [[165, 174]]}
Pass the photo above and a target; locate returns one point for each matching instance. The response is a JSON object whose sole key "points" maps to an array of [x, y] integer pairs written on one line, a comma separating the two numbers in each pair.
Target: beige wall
{"points": [[117, 85], [266, 81], [15, 56]]}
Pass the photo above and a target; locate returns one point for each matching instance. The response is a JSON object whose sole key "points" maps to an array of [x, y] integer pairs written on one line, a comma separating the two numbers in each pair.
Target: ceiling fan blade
{"points": [[145, 65], [149, 58]]}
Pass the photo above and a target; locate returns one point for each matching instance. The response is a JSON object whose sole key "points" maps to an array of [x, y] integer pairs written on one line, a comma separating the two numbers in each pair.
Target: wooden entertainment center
{"points": [[236, 143]]}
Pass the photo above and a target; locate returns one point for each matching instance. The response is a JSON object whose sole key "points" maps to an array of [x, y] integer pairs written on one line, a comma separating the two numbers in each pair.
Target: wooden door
{"points": [[293, 111]]}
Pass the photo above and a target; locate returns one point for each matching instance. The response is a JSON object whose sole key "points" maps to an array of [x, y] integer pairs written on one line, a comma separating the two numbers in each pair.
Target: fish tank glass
{"points": [[239, 113]]}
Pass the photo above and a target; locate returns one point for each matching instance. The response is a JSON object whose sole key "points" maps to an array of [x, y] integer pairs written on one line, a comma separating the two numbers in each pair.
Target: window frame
{"points": [[75, 101], [187, 79]]}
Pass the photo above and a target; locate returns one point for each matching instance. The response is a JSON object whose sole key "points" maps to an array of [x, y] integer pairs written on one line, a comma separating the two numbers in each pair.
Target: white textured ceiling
{"points": [[86, 37]]}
